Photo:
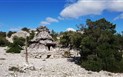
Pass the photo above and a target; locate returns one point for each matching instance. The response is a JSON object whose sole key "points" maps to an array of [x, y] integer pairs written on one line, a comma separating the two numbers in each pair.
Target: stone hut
{"points": [[42, 45], [42, 39]]}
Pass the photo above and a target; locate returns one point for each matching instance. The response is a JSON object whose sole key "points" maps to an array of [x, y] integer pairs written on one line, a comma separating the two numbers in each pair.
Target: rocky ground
{"points": [[13, 65]]}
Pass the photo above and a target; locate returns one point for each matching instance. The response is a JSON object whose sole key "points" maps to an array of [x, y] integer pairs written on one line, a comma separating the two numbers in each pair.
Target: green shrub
{"points": [[10, 33], [19, 41], [3, 42], [32, 34], [67, 54], [25, 29], [71, 39], [16, 46], [93, 65], [2, 34], [54, 35]]}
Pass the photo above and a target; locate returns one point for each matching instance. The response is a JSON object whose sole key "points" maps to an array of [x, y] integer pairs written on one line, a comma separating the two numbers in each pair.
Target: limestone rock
{"points": [[22, 34]]}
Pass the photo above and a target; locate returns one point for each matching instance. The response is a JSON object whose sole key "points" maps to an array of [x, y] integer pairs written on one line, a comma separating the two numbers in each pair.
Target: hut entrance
{"points": [[48, 47]]}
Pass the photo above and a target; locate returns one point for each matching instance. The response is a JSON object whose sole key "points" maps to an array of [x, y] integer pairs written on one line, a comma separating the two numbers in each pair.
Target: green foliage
{"points": [[25, 29], [16, 46], [67, 54], [3, 41], [93, 64], [71, 39], [32, 34], [80, 27], [19, 41], [10, 33], [2, 34], [54, 35], [100, 47]]}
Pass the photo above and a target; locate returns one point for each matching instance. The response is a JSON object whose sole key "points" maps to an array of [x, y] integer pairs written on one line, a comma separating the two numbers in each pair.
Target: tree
{"points": [[32, 34], [100, 47], [10, 33], [2, 34], [54, 35], [71, 39], [25, 29], [3, 41], [81, 27]]}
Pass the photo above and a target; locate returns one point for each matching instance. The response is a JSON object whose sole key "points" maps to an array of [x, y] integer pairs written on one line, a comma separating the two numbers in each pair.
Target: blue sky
{"points": [[58, 15]]}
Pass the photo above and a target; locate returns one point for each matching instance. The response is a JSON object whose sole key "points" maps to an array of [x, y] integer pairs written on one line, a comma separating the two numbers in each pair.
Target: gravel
{"points": [[60, 67]]}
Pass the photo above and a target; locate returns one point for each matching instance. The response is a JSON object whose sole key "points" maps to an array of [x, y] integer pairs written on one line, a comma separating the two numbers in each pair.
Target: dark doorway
{"points": [[49, 47], [48, 56]]}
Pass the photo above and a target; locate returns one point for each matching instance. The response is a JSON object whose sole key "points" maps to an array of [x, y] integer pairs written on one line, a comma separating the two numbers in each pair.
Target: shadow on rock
{"points": [[74, 59]]}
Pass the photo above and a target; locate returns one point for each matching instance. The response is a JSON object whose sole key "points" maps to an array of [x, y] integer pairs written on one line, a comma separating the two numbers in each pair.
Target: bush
{"points": [[16, 46], [93, 65], [25, 29], [2, 34], [3, 42], [10, 33], [54, 35], [67, 54], [19, 41], [71, 39], [32, 34]]}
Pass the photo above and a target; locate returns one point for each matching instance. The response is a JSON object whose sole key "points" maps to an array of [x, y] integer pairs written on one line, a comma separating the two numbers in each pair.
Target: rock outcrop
{"points": [[22, 34]]}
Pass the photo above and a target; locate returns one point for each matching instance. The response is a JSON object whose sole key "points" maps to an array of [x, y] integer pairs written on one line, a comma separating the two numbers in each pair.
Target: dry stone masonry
{"points": [[42, 40], [42, 45]]}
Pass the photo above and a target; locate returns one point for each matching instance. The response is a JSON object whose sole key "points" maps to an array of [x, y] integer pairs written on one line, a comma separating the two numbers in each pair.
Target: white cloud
{"points": [[91, 7], [60, 18], [48, 21], [15, 29], [119, 17], [44, 23], [69, 2], [82, 8], [115, 5], [70, 29]]}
